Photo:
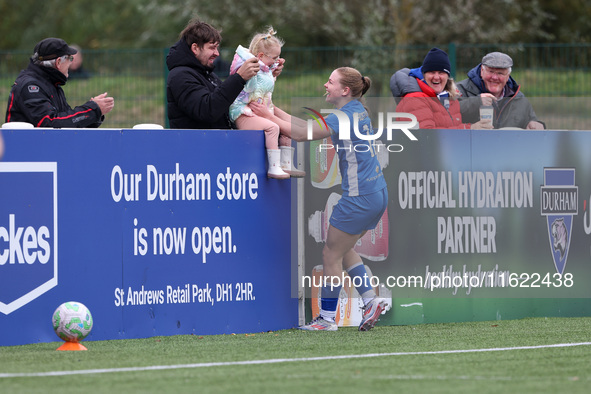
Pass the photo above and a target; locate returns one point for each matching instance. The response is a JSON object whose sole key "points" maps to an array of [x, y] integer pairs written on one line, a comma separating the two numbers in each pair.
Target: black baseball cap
{"points": [[52, 48]]}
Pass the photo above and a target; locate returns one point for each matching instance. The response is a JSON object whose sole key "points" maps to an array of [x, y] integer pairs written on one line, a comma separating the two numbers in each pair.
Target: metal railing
{"points": [[137, 78]]}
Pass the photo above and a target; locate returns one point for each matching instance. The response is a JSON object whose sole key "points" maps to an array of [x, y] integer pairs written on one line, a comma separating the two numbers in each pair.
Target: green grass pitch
{"points": [[483, 357]]}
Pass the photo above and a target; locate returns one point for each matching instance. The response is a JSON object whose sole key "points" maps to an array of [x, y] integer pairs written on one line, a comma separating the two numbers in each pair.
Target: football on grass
{"points": [[72, 321]]}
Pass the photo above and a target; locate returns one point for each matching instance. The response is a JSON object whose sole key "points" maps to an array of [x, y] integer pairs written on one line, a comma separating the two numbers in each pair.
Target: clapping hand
{"points": [[104, 102]]}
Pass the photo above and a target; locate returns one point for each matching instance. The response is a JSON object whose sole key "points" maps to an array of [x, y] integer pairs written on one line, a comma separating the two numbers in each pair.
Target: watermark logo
{"points": [[316, 116], [559, 203], [388, 123], [28, 232]]}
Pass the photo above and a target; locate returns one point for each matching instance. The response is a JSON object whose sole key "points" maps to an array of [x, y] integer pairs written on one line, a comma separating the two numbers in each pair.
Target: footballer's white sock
{"points": [[368, 296], [328, 315]]}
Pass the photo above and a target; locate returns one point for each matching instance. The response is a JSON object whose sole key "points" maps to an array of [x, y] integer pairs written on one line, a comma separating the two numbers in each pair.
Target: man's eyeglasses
{"points": [[70, 57], [500, 74]]}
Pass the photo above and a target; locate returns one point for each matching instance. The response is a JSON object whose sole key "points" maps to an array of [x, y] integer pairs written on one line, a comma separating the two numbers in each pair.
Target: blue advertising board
{"points": [[157, 232]]}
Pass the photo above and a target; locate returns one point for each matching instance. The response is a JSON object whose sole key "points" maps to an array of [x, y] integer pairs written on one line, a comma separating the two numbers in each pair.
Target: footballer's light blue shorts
{"points": [[355, 215]]}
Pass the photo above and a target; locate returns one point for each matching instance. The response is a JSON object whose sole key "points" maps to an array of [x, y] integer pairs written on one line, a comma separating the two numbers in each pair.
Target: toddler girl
{"points": [[267, 48]]}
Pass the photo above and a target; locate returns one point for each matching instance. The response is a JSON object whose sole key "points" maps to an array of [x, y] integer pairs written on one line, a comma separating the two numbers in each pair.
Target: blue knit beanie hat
{"points": [[436, 60]]}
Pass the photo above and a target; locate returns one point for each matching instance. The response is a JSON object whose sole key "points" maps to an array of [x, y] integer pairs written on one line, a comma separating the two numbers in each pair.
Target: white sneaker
{"points": [[371, 314], [319, 324]]}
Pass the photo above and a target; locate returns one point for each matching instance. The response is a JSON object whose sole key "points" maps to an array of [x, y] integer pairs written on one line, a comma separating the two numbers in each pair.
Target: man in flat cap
{"points": [[37, 96], [490, 84]]}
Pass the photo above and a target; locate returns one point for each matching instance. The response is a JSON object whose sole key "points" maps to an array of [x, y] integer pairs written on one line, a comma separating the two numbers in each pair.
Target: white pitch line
{"points": [[279, 360]]}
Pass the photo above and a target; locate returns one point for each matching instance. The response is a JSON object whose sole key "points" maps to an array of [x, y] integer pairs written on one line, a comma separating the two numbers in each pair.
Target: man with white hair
{"points": [[37, 96], [490, 84]]}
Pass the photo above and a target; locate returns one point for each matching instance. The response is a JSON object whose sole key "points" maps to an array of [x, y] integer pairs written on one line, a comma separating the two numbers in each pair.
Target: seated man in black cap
{"points": [[37, 96], [490, 84]]}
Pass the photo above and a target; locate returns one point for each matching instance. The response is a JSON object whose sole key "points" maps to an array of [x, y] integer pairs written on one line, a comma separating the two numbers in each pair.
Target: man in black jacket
{"points": [[37, 96], [197, 98]]}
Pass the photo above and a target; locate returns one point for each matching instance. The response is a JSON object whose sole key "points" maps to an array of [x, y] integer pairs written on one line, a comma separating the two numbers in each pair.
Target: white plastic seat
{"points": [[17, 125], [147, 126]]}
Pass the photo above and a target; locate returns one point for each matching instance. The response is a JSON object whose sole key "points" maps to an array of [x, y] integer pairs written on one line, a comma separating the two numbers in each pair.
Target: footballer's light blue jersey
{"points": [[358, 162]]}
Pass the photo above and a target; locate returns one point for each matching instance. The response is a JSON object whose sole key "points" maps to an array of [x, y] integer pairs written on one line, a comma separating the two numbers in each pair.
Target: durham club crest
{"points": [[559, 202]]}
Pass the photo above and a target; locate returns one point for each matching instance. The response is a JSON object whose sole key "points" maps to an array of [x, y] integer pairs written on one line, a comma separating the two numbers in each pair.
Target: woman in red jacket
{"points": [[431, 95]]}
